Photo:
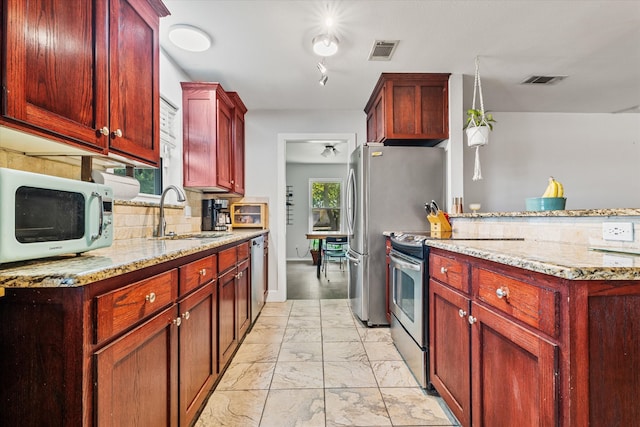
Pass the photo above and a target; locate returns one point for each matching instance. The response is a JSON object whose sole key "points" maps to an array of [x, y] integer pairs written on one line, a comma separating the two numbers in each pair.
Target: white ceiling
{"points": [[262, 50]]}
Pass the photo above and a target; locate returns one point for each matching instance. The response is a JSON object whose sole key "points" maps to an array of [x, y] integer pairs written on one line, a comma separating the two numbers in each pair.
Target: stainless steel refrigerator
{"points": [[387, 188]]}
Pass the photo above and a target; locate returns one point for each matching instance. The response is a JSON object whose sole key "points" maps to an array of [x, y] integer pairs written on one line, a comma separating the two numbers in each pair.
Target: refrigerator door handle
{"points": [[355, 261], [351, 202]]}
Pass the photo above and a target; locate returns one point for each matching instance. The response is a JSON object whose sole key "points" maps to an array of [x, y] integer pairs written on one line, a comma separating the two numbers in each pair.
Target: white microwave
{"points": [[43, 216]]}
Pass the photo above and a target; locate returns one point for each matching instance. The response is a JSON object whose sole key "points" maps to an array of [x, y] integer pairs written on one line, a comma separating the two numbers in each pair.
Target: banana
{"points": [[554, 189]]}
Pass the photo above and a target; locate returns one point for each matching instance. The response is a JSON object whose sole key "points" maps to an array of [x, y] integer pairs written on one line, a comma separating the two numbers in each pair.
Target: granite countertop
{"points": [[567, 261], [122, 257]]}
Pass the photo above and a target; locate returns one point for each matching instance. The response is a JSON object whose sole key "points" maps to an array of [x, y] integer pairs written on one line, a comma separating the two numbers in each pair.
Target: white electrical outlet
{"points": [[618, 231]]}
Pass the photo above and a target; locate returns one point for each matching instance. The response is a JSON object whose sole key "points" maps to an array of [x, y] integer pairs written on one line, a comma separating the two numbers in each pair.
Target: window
{"points": [[151, 178], [325, 205]]}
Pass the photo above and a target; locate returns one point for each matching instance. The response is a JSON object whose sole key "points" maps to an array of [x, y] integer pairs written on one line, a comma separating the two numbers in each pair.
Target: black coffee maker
{"points": [[211, 211]]}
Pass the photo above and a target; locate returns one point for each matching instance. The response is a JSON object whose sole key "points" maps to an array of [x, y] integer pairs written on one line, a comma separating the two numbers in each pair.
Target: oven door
{"points": [[407, 294]]}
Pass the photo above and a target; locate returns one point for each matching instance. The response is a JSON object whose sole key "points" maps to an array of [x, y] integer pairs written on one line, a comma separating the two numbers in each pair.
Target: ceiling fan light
{"points": [[325, 45], [189, 38]]}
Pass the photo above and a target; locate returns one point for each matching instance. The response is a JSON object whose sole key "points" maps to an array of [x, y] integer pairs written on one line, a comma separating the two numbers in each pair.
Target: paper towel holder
{"points": [[124, 187]]}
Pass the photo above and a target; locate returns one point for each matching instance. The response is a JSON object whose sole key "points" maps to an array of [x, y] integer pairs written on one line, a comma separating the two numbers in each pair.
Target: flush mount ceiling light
{"points": [[328, 150], [325, 45], [189, 38]]}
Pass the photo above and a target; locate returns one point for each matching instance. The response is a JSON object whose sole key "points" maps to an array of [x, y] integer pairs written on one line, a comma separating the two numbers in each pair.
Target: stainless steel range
{"points": [[408, 275]]}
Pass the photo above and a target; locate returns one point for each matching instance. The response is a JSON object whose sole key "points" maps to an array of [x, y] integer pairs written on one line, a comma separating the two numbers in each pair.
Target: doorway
{"points": [[301, 159]]}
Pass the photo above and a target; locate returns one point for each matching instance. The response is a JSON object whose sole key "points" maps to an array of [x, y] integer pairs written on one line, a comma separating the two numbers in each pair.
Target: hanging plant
{"points": [[478, 124]]}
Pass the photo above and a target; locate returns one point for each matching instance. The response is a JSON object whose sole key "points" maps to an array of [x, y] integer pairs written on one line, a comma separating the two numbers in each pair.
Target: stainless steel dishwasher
{"points": [[257, 276]]}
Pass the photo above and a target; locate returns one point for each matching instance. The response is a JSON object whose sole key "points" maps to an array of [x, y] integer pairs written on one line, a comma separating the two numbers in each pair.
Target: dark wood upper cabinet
{"points": [[409, 107], [84, 73], [213, 138]]}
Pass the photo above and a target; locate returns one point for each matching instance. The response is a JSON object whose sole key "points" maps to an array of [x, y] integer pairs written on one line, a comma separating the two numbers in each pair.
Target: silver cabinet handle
{"points": [[502, 292], [186, 315], [472, 320], [177, 321], [104, 131], [116, 134], [151, 297], [462, 313], [443, 270], [203, 272]]}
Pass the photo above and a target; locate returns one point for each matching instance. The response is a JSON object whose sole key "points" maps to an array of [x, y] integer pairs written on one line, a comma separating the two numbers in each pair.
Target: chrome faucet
{"points": [[162, 224]]}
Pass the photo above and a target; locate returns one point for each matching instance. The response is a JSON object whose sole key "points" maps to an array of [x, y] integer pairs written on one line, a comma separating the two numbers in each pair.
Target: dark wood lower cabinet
{"points": [[450, 348], [511, 347], [197, 349], [141, 349], [243, 298], [514, 373], [227, 331], [137, 375]]}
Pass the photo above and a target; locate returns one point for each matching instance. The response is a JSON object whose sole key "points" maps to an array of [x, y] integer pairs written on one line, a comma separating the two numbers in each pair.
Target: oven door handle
{"points": [[404, 264]]}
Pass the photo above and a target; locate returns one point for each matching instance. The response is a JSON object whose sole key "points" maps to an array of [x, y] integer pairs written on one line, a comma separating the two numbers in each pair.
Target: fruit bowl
{"points": [[545, 203]]}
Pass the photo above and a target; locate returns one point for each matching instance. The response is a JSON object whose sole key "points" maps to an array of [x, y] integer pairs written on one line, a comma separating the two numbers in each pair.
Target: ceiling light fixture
{"points": [[325, 45], [189, 38], [328, 150], [323, 80]]}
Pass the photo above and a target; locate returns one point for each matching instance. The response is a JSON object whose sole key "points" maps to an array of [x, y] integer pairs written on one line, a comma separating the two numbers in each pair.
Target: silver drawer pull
{"points": [[443, 270], [203, 272], [186, 315], [104, 131], [116, 134], [502, 292], [472, 320], [151, 297], [177, 321], [462, 313]]}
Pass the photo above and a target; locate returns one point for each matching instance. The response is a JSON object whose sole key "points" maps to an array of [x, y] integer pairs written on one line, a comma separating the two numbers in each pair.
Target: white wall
{"points": [[170, 77], [264, 152], [595, 156], [298, 175]]}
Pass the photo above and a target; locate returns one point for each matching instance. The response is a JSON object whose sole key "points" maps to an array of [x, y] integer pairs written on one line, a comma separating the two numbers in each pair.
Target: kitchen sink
{"points": [[194, 236]]}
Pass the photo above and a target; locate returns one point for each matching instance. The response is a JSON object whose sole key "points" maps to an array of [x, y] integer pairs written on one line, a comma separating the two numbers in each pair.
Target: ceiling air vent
{"points": [[542, 80], [382, 50]]}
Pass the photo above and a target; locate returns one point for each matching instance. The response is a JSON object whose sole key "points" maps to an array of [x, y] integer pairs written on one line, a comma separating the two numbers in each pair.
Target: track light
{"points": [[323, 80], [321, 67]]}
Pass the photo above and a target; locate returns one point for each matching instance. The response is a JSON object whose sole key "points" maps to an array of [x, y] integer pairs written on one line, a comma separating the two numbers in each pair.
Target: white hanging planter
{"points": [[477, 136]]}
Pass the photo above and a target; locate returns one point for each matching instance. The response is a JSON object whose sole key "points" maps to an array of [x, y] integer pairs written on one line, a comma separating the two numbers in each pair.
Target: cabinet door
{"points": [[137, 382], [56, 67], [198, 350], [238, 153], [514, 373], [449, 348], [224, 147], [375, 120], [227, 338], [134, 90], [243, 298]]}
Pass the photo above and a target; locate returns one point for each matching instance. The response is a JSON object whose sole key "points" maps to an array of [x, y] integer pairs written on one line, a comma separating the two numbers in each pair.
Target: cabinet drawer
{"points": [[197, 273], [227, 259], [121, 308], [243, 251], [531, 304], [450, 271]]}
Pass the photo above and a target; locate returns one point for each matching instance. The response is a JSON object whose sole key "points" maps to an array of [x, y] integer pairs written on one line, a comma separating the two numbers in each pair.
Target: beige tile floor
{"points": [[308, 363]]}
